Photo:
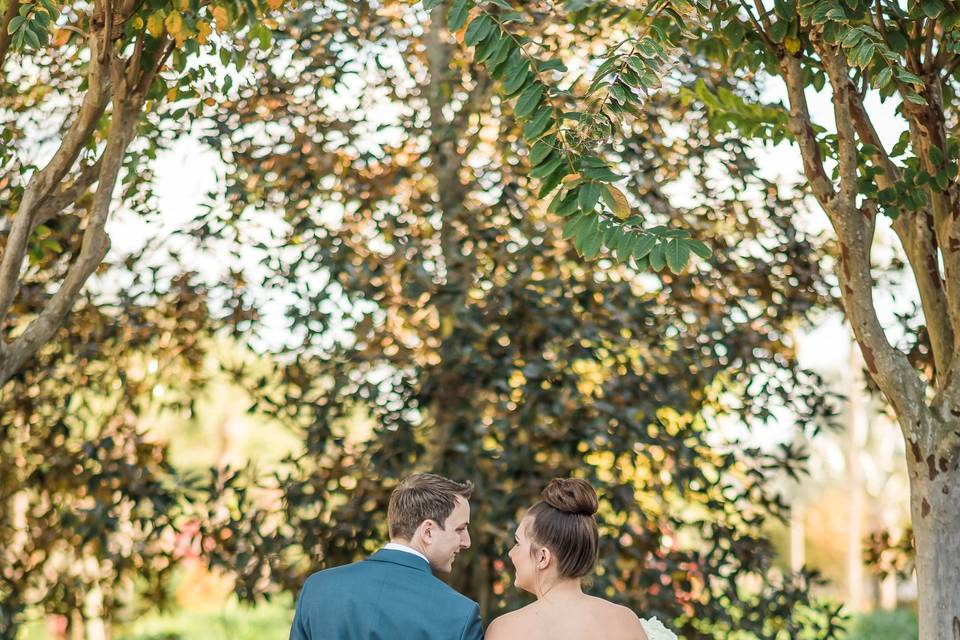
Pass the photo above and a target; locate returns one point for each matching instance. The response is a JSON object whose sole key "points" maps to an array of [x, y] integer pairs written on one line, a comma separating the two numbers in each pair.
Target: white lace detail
{"points": [[655, 629]]}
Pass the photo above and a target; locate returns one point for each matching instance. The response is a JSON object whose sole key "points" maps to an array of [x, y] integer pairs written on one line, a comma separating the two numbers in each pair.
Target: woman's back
{"points": [[580, 617]]}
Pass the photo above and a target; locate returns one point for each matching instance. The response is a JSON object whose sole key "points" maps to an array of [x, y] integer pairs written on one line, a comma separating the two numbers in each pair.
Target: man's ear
{"points": [[426, 531]]}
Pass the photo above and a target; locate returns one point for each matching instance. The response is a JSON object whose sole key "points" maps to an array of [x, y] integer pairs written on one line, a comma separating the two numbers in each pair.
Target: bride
{"points": [[556, 546]]}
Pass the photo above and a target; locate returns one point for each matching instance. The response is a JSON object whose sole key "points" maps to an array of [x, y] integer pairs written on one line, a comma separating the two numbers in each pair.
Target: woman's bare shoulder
{"points": [[621, 618], [509, 625]]}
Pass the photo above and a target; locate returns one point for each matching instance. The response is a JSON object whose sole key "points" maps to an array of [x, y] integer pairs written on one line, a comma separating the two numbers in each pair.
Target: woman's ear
{"points": [[543, 558]]}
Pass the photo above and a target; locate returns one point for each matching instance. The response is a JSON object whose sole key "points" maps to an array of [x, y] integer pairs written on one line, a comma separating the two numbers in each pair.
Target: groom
{"points": [[393, 595]]}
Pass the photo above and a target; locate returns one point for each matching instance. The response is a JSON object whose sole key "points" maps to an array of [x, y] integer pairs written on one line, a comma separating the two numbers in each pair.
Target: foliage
{"points": [[88, 502], [884, 625], [88, 93], [905, 53], [430, 295]]}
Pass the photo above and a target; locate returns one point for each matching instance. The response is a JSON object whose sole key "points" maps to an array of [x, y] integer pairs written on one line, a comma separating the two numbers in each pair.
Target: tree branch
{"points": [[915, 231], [44, 181], [801, 126], [928, 45], [93, 248], [56, 203], [928, 129], [854, 227], [5, 38]]}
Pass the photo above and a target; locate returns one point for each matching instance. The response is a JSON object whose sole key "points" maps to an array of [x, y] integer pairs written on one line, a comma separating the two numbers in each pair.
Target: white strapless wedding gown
{"points": [[655, 629]]}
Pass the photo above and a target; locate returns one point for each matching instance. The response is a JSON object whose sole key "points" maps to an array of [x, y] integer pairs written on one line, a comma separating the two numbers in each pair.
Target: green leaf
{"points": [[657, 261], [430, 4], [478, 29], [573, 224], [458, 14], [906, 76], [539, 123], [553, 65], [626, 245], [546, 169], [15, 23], [30, 38], [550, 182], [932, 8], [497, 59], [541, 150], [516, 80], [677, 254], [529, 100], [489, 46], [562, 201], [643, 246], [778, 32], [699, 248], [883, 78], [587, 237], [916, 98], [589, 196]]}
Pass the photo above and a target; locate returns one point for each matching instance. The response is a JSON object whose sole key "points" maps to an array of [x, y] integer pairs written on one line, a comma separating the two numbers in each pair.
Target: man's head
{"points": [[430, 513]]}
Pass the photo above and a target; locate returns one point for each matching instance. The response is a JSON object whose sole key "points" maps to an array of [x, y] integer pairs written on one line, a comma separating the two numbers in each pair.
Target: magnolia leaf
{"points": [[221, 17], [203, 31], [155, 24]]}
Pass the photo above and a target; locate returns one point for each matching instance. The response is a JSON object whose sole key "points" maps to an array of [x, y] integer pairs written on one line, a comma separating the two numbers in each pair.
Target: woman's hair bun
{"points": [[571, 495]]}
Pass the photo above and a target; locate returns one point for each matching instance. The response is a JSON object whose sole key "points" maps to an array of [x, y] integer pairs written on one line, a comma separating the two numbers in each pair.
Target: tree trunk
{"points": [[935, 510], [857, 428]]}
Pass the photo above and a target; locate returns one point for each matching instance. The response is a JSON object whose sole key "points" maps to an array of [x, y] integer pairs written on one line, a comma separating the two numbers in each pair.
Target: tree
{"points": [[89, 504], [853, 49], [429, 297], [103, 70]]}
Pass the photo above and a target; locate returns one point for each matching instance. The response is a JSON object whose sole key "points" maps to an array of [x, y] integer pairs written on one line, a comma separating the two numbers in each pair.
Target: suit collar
{"points": [[402, 558]]}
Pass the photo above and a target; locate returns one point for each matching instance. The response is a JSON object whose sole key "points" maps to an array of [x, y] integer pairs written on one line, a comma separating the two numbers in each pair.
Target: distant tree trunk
{"points": [[797, 537], [857, 427]]}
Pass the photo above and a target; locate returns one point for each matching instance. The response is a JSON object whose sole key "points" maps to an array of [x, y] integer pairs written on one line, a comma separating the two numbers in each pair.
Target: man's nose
{"points": [[465, 542]]}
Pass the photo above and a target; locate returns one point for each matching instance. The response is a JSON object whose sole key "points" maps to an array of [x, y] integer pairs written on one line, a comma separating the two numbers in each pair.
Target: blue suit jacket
{"points": [[392, 595]]}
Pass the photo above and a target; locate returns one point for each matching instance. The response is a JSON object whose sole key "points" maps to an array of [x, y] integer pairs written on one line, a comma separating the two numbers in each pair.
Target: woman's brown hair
{"points": [[563, 522]]}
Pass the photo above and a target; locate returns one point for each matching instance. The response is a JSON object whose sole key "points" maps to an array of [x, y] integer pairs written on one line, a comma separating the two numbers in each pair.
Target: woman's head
{"points": [[558, 535]]}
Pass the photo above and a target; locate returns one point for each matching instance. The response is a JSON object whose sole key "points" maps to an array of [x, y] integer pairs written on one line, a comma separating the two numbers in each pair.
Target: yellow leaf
{"points": [[182, 5], [137, 23], [203, 31], [459, 35], [174, 24], [570, 178], [275, 4], [221, 17], [172, 94], [791, 44], [621, 208], [155, 24], [61, 37]]}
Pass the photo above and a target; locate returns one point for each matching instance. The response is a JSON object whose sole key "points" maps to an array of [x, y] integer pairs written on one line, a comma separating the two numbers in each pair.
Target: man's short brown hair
{"points": [[423, 496]]}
